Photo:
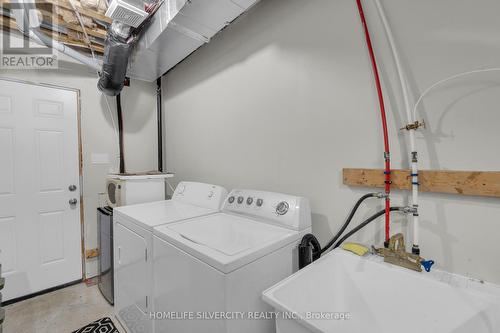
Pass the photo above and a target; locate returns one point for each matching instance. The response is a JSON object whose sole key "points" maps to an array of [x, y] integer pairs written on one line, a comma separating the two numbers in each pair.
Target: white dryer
{"points": [[218, 265], [133, 248]]}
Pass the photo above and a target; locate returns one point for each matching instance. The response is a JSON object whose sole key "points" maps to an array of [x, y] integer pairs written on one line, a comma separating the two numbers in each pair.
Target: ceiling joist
{"points": [[64, 30]]}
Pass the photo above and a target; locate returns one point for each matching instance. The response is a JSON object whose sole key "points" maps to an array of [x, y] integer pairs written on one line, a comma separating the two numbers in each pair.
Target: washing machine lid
{"points": [[151, 214], [226, 241]]}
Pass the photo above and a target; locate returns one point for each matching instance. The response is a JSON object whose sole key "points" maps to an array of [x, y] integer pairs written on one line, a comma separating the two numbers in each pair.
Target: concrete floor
{"points": [[61, 311]]}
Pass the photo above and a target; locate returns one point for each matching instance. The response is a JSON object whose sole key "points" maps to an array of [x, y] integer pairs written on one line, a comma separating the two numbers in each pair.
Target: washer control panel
{"points": [[283, 209], [200, 194]]}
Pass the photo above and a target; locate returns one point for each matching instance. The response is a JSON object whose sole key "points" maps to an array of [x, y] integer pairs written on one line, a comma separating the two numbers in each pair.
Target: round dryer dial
{"points": [[282, 208]]}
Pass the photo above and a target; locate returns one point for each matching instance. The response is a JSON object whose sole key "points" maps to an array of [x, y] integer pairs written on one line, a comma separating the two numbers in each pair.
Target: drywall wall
{"points": [[284, 98], [98, 136]]}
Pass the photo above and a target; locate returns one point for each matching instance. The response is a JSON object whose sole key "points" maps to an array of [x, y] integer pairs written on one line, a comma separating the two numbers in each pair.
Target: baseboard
{"points": [[38, 293]]}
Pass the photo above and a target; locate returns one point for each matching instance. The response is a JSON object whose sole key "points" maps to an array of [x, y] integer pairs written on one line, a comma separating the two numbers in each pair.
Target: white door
{"points": [[40, 233]]}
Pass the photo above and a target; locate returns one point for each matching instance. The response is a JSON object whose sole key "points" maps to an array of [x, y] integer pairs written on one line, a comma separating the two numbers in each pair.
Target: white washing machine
{"points": [[219, 264], [133, 246]]}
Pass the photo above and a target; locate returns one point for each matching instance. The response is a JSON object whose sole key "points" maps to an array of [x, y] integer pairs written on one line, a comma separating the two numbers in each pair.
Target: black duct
{"points": [[119, 43], [114, 68]]}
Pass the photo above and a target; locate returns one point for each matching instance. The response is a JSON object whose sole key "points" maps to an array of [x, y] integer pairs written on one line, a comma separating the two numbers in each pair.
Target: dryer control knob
{"points": [[282, 208], [240, 199], [230, 199], [259, 202]]}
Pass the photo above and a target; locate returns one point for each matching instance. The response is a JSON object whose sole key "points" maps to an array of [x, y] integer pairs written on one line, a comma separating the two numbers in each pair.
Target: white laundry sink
{"points": [[342, 292]]}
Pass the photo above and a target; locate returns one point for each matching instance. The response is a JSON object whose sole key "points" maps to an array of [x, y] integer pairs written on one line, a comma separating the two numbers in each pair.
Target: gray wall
{"points": [[139, 113], [284, 98]]}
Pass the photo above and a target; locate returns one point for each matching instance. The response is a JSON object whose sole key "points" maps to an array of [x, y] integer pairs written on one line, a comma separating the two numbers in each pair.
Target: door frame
{"points": [[80, 154]]}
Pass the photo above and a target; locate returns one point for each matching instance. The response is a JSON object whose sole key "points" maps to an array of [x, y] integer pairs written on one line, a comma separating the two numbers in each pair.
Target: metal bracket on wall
{"points": [[414, 126], [92, 253]]}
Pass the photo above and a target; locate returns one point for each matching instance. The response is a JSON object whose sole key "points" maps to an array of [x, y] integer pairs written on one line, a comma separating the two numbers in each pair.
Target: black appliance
{"points": [[105, 241]]}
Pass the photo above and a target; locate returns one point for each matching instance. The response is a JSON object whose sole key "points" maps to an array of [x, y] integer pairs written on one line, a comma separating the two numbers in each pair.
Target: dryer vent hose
{"points": [[114, 68]]}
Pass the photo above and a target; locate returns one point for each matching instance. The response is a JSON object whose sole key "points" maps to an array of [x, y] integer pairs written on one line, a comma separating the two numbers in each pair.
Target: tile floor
{"points": [[61, 311]]}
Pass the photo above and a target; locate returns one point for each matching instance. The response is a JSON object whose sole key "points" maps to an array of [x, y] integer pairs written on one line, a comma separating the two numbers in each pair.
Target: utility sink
{"points": [[342, 292]]}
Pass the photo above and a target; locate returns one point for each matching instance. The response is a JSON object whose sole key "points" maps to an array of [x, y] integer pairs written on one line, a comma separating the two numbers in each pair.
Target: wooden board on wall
{"points": [[477, 183]]}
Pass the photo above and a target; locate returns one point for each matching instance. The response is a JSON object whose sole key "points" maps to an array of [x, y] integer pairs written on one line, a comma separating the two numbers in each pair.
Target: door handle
{"points": [[73, 201]]}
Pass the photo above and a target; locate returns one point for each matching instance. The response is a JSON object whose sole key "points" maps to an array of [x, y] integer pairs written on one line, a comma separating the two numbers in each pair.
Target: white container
{"points": [[123, 190]]}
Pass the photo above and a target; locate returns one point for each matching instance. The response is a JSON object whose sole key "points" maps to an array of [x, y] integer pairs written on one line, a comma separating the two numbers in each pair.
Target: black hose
{"points": [[364, 224], [349, 218]]}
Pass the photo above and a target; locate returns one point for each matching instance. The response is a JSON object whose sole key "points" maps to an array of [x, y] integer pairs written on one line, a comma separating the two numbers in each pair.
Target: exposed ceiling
{"points": [[60, 22]]}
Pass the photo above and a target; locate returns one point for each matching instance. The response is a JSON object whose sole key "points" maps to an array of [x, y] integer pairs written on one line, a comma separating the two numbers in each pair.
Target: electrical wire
{"points": [[387, 154], [80, 20]]}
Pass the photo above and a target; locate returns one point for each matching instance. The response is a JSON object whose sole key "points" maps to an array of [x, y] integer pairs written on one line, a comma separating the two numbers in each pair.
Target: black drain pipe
{"points": [[159, 117], [120, 131]]}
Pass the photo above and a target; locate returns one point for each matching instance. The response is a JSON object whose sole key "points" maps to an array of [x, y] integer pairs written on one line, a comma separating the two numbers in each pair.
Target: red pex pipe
{"points": [[387, 154]]}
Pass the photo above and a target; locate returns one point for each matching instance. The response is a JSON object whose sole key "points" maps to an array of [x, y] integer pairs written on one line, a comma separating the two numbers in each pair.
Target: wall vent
{"points": [[126, 13]]}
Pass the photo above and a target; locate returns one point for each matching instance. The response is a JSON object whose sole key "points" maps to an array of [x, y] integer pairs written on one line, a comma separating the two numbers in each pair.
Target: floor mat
{"points": [[103, 325], [135, 320]]}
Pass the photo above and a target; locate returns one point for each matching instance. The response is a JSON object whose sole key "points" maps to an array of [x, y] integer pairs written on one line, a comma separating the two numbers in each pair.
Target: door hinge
{"points": [[146, 302], [146, 254]]}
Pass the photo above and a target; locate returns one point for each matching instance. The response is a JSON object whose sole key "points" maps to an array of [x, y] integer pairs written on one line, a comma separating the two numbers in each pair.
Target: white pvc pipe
{"points": [[49, 42], [411, 113], [430, 88], [410, 119]]}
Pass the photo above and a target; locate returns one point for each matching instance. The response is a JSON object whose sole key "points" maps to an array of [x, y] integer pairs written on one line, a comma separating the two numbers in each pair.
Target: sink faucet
{"points": [[396, 254]]}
